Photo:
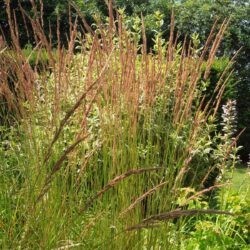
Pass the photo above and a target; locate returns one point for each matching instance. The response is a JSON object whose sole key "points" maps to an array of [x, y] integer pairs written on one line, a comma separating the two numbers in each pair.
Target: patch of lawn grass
{"points": [[241, 180]]}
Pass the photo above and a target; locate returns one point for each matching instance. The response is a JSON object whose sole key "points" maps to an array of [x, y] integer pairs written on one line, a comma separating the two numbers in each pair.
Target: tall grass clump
{"points": [[110, 145]]}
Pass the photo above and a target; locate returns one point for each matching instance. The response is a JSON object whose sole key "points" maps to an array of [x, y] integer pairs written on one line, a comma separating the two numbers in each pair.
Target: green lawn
{"points": [[241, 180]]}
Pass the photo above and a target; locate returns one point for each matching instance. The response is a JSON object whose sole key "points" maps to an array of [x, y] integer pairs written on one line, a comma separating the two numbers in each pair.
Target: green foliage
{"points": [[197, 16], [221, 232], [36, 58], [109, 137]]}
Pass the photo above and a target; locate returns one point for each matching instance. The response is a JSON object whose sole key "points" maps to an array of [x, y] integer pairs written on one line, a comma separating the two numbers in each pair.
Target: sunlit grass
{"points": [[241, 181]]}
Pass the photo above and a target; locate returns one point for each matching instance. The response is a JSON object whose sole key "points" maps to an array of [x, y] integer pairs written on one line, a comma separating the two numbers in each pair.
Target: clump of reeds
{"points": [[109, 134]]}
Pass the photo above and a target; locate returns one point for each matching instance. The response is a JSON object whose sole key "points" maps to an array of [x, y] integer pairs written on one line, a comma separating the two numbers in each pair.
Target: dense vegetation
{"points": [[115, 132], [191, 16]]}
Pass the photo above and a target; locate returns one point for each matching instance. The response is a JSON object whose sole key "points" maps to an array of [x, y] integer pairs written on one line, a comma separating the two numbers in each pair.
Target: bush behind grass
{"points": [[111, 147]]}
